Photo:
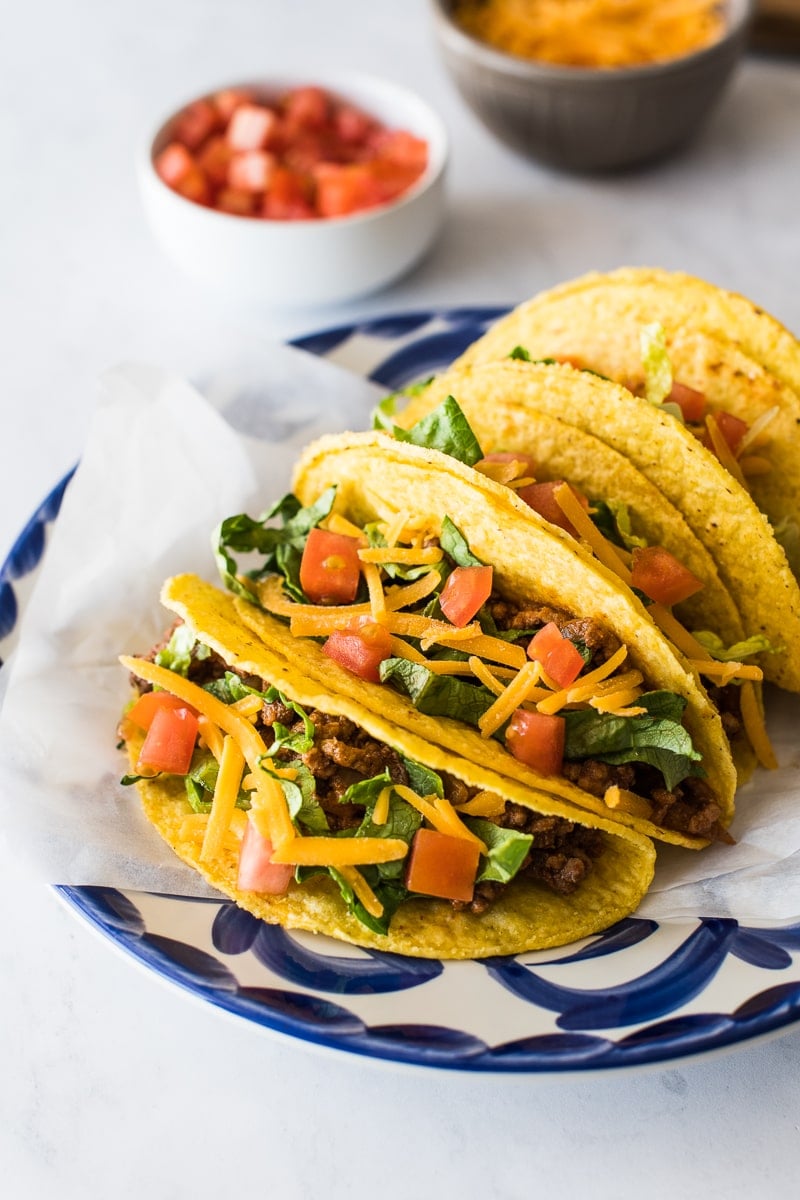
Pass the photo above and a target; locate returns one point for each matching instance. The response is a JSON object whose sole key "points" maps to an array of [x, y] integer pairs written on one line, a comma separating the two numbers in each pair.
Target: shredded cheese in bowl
{"points": [[593, 33]]}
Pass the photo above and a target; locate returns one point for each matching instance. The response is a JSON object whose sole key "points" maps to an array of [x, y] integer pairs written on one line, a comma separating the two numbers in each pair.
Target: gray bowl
{"points": [[582, 119]]}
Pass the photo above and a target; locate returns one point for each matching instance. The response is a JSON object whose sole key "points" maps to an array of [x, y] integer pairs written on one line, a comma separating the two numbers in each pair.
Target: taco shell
{"points": [[526, 917]]}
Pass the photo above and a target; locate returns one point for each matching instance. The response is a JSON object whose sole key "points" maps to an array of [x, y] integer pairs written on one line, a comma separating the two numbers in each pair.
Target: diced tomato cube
{"points": [[143, 709], [214, 158], [330, 568], [196, 122], [289, 196], [401, 147], [466, 589], [306, 107], [352, 125], [170, 741], [560, 657], [174, 163], [538, 740], [228, 100], [250, 171], [564, 663], [732, 429], [691, 402], [257, 871], [360, 648], [441, 865], [251, 126], [346, 188], [236, 202], [540, 497], [661, 576], [194, 186]]}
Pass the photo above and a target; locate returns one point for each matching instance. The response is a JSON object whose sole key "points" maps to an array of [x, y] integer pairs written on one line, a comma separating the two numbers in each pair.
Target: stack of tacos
{"points": [[474, 663]]}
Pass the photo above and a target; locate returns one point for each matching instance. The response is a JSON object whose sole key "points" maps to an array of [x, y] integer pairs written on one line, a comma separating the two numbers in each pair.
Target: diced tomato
{"points": [[540, 497], [196, 122], [306, 107], [143, 710], [691, 402], [251, 126], [308, 154], [289, 196], [352, 125], [214, 158], [330, 568], [344, 188], [250, 171], [174, 163], [661, 576], [228, 100], [234, 200], [400, 146], [538, 740], [194, 186], [170, 740], [360, 648], [441, 865], [257, 872], [466, 589], [527, 465], [732, 429], [560, 658]]}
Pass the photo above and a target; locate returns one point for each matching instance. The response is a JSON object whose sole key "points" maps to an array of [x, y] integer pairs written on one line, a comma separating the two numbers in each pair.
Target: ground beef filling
{"points": [[691, 807], [560, 856]]}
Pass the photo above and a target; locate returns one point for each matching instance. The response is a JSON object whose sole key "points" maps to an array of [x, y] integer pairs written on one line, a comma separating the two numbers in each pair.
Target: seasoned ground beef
{"points": [[727, 701], [691, 807], [585, 630]]}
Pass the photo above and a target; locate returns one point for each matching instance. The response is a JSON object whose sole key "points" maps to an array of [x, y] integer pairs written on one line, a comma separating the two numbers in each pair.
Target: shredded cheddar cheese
{"points": [[438, 813], [723, 450], [484, 804], [377, 599], [600, 546], [380, 813], [268, 795], [510, 699], [339, 524], [339, 852], [229, 776], [211, 735], [407, 556], [621, 800], [362, 890]]}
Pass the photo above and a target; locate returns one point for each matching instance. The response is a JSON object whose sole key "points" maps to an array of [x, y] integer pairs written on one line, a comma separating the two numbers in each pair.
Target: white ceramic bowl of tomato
{"points": [[288, 193]]}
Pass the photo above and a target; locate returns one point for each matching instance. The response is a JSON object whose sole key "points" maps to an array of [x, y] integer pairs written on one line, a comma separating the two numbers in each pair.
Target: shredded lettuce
{"points": [[507, 848], [437, 695], [657, 368], [757, 644], [444, 428], [177, 654], [455, 545], [388, 407], [613, 519], [657, 738], [281, 545]]}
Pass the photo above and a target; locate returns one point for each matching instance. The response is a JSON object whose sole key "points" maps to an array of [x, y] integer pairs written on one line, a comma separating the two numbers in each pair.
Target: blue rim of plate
{"points": [[649, 1012]]}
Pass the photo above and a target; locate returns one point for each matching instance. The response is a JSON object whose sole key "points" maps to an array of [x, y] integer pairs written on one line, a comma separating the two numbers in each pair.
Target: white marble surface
{"points": [[111, 1083]]}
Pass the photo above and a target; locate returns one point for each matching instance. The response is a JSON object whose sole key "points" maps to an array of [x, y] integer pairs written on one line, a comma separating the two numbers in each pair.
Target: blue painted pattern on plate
{"points": [[639, 993]]}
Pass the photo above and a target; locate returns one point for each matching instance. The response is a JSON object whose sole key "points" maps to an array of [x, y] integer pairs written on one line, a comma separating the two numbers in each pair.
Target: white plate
{"points": [[643, 992]]}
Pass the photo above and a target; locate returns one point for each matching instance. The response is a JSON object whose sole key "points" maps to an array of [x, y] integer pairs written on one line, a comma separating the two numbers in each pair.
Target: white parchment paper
{"points": [[162, 466]]}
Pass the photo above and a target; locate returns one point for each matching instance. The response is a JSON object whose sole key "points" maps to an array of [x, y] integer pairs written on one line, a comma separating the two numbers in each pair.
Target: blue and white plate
{"points": [[643, 992]]}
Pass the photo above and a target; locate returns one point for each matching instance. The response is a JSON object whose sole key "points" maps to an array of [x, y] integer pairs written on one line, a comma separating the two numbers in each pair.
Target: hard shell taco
{"points": [[313, 811], [742, 563], [731, 371], [520, 413], [437, 598]]}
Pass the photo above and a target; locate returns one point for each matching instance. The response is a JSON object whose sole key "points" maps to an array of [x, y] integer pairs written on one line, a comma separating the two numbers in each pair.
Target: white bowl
{"points": [[296, 263]]}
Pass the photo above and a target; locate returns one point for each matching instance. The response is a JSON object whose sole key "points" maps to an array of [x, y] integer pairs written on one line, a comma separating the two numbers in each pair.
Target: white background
{"points": [[111, 1083]]}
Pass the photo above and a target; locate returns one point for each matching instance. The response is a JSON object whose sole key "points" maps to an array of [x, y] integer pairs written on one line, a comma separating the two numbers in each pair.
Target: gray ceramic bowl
{"points": [[583, 119]]}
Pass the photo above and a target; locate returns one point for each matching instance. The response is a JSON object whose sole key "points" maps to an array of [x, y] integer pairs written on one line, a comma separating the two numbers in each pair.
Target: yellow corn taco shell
{"points": [[377, 478], [750, 564], [506, 417], [526, 917], [719, 343]]}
